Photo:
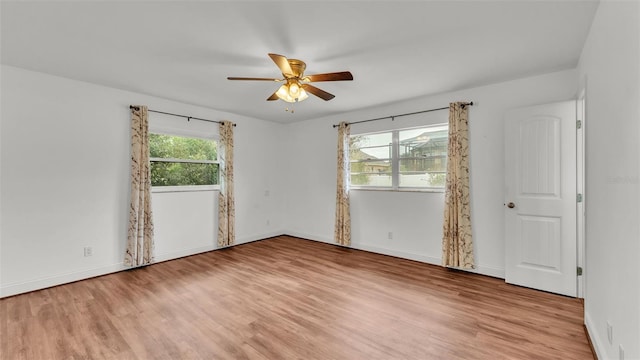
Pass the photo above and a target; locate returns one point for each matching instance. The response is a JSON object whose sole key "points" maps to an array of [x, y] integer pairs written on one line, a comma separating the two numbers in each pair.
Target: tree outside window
{"points": [[182, 161]]}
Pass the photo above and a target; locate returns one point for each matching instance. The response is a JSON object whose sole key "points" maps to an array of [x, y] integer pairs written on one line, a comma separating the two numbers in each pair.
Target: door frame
{"points": [[581, 251]]}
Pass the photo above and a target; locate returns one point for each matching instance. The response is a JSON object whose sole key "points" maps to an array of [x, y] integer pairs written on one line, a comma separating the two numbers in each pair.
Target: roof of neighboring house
{"points": [[361, 155], [426, 137]]}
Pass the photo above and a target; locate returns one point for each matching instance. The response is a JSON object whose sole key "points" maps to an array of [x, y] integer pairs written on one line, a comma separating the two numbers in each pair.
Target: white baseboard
{"points": [[489, 271], [60, 279], [483, 270], [182, 253], [401, 254], [594, 336], [257, 237], [308, 236], [49, 281]]}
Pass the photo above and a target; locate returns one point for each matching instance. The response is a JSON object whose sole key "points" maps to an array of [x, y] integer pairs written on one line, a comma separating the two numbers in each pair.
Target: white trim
{"points": [[310, 237], [395, 159], [581, 252], [189, 161], [59, 279], [400, 254], [482, 270], [182, 253], [401, 189], [184, 188], [65, 278], [258, 237], [594, 336], [203, 249]]}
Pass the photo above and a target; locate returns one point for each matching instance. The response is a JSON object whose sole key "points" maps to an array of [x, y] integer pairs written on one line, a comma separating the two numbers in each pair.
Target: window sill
{"points": [[399, 190], [173, 189]]}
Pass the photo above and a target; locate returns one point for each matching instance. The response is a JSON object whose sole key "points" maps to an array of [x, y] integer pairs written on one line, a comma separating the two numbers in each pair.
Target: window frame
{"points": [[186, 188], [395, 162]]}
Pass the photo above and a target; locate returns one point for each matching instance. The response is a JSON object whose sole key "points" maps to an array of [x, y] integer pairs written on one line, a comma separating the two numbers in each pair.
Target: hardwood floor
{"points": [[286, 298]]}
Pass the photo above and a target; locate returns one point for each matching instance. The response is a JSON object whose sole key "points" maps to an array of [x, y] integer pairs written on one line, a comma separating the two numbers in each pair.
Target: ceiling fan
{"points": [[296, 84]]}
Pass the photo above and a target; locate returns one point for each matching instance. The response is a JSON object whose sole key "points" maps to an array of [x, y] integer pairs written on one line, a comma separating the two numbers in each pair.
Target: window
{"points": [[400, 159], [181, 163]]}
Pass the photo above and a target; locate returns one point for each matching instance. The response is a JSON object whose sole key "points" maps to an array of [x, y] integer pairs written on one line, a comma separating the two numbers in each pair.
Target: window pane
{"points": [[180, 174], [425, 142], [420, 172], [370, 160], [179, 147], [371, 173], [371, 146], [371, 179], [423, 157]]}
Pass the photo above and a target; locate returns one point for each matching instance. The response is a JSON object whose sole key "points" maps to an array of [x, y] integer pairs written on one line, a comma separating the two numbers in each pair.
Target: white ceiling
{"points": [[396, 50]]}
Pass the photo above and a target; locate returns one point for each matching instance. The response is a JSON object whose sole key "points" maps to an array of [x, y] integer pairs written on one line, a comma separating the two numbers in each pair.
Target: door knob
{"points": [[511, 205]]}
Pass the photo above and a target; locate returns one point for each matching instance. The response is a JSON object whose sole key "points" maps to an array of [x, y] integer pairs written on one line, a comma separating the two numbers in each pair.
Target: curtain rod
{"points": [[392, 117], [178, 115]]}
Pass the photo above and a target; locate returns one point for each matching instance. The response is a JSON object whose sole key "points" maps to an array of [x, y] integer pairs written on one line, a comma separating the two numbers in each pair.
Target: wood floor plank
{"points": [[287, 298]]}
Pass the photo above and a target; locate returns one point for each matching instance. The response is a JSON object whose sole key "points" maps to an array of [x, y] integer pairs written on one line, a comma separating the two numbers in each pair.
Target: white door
{"points": [[540, 203]]}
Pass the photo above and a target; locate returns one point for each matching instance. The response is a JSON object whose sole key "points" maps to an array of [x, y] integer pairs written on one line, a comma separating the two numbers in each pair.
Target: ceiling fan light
{"points": [[294, 89], [303, 95], [291, 92], [283, 92]]}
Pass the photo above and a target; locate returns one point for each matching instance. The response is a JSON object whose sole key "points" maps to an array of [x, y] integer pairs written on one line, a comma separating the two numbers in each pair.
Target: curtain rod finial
{"points": [[464, 105]]}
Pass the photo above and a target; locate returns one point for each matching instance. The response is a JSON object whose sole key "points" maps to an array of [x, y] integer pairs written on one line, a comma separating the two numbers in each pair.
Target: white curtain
{"points": [[342, 233], [140, 232], [457, 244], [226, 200]]}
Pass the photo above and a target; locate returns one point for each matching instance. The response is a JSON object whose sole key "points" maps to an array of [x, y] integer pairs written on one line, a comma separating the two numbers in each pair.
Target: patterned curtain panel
{"points": [[342, 233], [226, 201], [457, 245], [140, 233]]}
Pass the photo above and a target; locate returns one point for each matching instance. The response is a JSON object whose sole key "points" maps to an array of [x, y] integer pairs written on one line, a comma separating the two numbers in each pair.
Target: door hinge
{"points": [[579, 198], [579, 124], [579, 270]]}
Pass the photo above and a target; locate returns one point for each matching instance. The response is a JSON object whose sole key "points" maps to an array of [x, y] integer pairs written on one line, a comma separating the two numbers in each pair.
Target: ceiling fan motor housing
{"points": [[297, 67]]}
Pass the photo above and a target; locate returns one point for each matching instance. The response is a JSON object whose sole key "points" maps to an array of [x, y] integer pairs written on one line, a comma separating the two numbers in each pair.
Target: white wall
{"points": [[414, 218], [1, 269], [64, 182], [610, 68]]}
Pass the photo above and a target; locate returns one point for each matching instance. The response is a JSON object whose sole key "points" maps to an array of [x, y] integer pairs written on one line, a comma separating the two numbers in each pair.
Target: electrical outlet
{"points": [[268, 222], [620, 352], [266, 193], [88, 251], [390, 235], [610, 333]]}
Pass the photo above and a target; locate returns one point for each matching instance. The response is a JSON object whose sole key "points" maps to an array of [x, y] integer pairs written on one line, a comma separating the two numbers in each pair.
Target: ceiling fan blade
{"points": [[318, 92], [273, 97], [252, 78], [283, 64], [335, 76]]}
